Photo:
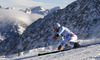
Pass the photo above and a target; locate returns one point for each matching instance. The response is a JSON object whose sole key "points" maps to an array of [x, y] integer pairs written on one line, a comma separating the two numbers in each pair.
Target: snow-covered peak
{"points": [[36, 9], [7, 7], [10, 8], [39, 10]]}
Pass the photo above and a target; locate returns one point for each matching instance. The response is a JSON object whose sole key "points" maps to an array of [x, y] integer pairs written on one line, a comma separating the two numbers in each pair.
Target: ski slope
{"points": [[90, 52]]}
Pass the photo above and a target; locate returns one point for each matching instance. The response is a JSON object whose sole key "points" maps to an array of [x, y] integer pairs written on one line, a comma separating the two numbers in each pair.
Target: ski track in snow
{"points": [[90, 52], [85, 53]]}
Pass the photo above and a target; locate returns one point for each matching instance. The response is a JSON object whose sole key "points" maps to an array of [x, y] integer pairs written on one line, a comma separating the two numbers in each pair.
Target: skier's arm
{"points": [[61, 30]]}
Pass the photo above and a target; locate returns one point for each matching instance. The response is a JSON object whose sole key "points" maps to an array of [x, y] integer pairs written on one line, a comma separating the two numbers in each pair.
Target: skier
{"points": [[68, 38]]}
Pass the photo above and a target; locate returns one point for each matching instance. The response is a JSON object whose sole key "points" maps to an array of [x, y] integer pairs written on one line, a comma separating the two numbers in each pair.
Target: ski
{"points": [[41, 54], [51, 52]]}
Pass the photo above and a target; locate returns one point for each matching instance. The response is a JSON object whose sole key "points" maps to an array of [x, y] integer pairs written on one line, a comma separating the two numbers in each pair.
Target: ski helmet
{"points": [[56, 27]]}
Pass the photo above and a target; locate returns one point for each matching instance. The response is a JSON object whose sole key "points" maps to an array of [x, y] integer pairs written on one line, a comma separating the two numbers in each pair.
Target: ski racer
{"points": [[68, 38]]}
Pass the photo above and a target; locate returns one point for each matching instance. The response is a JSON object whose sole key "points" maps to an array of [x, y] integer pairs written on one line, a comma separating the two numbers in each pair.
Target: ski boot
{"points": [[60, 47]]}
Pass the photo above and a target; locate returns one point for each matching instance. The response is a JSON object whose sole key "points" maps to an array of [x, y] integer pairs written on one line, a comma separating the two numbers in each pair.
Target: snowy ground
{"points": [[91, 52]]}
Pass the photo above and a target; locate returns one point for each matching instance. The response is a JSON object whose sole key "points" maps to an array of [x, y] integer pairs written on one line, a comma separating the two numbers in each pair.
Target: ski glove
{"points": [[56, 36]]}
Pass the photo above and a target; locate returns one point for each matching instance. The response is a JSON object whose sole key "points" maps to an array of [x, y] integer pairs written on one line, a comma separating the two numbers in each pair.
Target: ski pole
{"points": [[73, 34]]}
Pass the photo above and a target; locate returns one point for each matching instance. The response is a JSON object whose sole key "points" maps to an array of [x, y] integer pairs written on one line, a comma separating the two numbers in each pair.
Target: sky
{"points": [[30, 3]]}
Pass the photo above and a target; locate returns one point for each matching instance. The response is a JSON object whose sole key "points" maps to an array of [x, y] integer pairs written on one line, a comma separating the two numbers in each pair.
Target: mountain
{"points": [[0, 6], [81, 16], [12, 29], [54, 9], [9, 8], [13, 22], [4, 7], [39, 10]]}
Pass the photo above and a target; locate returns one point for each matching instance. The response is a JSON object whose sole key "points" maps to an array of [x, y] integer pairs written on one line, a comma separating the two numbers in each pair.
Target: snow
{"points": [[21, 29], [90, 52]]}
